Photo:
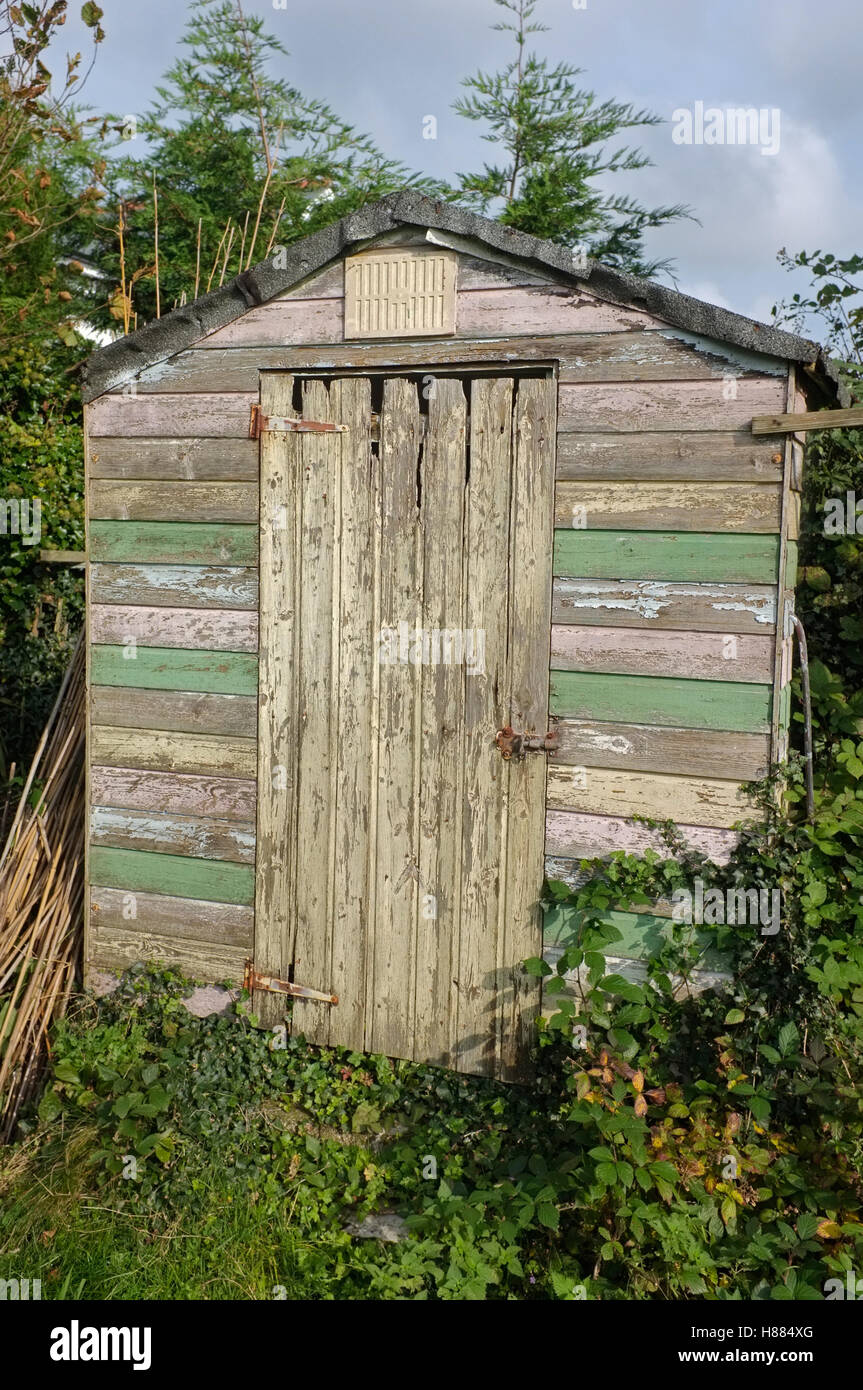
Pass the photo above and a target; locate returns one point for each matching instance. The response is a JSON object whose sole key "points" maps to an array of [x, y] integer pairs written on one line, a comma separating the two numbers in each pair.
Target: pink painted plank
{"points": [[284, 322], [211, 415], [667, 405], [227, 798], [575, 835], [639, 652], [555, 309], [205, 629], [481, 313]]}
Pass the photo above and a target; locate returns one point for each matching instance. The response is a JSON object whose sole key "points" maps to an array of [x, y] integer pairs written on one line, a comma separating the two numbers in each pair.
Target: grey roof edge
{"points": [[118, 362]]}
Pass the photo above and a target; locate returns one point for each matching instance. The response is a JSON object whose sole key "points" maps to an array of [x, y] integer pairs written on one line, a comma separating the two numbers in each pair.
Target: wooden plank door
{"points": [[405, 613]]}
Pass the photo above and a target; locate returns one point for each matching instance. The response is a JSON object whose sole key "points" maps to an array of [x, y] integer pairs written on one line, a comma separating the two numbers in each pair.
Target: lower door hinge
{"points": [[252, 980]]}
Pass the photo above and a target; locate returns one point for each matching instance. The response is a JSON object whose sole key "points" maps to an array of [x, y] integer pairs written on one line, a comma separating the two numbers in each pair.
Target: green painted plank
{"points": [[173, 543], [175, 668], [666, 555], [642, 934], [669, 701], [142, 871]]}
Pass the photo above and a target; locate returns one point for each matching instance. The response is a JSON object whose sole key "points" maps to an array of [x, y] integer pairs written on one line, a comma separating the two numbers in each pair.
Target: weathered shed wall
{"points": [[663, 645]]}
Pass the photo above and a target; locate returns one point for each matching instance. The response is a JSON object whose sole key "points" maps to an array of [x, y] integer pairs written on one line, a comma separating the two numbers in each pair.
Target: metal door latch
{"points": [[253, 980], [513, 745]]}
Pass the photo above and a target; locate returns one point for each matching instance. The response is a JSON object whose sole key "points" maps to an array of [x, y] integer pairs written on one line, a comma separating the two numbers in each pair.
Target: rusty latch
{"points": [[259, 424], [253, 980], [513, 745]]}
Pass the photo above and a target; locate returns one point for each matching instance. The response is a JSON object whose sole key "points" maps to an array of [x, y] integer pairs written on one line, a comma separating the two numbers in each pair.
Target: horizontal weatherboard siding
{"points": [[165, 501], [645, 748], [586, 835], [221, 629], [116, 948], [172, 668], [228, 460], [175, 711], [641, 506], [632, 651], [640, 934], [174, 542], [175, 586], [222, 797], [687, 607], [165, 834], [664, 405], [214, 415], [688, 800], [168, 752], [666, 555], [222, 924], [685, 704], [174, 874]]}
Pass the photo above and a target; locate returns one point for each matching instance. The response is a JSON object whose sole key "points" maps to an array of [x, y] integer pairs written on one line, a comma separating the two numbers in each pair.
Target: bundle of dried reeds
{"points": [[42, 898]]}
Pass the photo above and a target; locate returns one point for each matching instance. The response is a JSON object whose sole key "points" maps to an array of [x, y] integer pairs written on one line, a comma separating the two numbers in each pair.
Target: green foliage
{"points": [[238, 149], [554, 135], [41, 605]]}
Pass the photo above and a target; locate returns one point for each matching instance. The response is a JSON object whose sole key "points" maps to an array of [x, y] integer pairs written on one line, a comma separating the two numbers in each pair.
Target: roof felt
{"points": [[120, 361]]}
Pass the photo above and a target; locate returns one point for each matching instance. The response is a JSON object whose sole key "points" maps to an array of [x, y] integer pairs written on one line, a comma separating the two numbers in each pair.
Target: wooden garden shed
{"points": [[421, 557]]}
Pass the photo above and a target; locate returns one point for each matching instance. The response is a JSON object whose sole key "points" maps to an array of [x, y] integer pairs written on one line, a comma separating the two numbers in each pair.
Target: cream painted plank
{"points": [[530, 604], [222, 924], [486, 553], [129, 500], [669, 506], [168, 752], [638, 652], [578, 835], [275, 903], [646, 748], [171, 834], [219, 630], [115, 948], [400, 792], [212, 415], [355, 652], [687, 800], [442, 716], [189, 460], [674, 406], [317, 731], [714, 455], [170, 586], [175, 711], [726, 608], [224, 798]]}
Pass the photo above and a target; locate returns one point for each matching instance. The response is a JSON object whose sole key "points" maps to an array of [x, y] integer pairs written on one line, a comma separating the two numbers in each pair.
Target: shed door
{"points": [[405, 607]]}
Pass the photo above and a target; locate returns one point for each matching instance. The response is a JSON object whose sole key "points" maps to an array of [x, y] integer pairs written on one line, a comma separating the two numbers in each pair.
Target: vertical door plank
{"points": [[275, 876], [486, 613], [442, 703], [354, 663], [316, 717], [389, 1023], [529, 636]]}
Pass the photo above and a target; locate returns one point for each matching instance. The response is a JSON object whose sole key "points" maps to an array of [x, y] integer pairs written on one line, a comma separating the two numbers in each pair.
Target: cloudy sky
{"points": [[386, 64]]}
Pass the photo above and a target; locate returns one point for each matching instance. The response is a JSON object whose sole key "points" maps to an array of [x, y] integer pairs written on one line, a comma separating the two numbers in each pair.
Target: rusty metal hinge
{"points": [[259, 424], [252, 980], [513, 745]]}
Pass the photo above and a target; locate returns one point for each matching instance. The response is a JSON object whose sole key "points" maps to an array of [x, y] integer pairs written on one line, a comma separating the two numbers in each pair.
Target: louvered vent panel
{"points": [[398, 294]]}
